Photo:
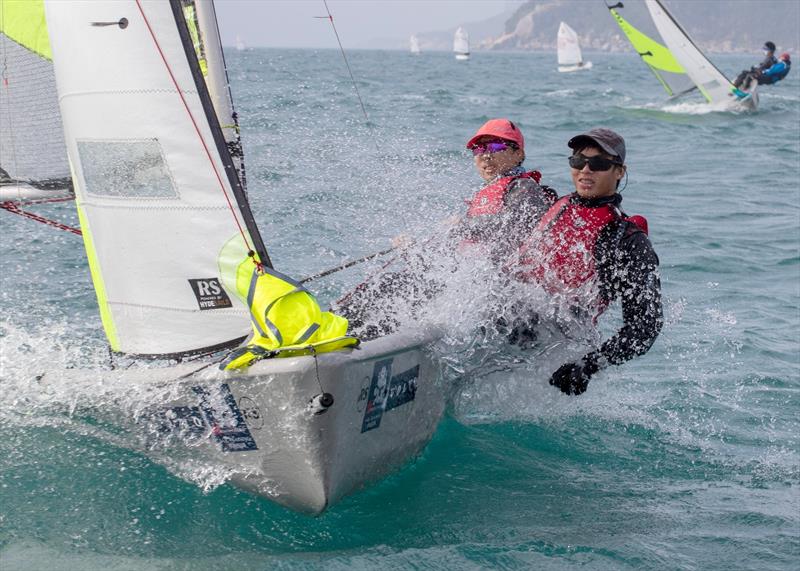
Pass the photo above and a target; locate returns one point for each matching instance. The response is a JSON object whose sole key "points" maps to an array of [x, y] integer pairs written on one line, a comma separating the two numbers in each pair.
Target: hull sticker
{"points": [[387, 392], [225, 419]]}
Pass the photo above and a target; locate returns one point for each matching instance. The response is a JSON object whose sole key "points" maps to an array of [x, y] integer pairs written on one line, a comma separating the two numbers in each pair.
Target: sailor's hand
{"points": [[573, 378]]}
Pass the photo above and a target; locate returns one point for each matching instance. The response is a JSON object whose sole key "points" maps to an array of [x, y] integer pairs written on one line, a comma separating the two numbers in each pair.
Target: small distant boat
{"points": [[414, 45], [461, 44], [240, 45], [569, 50]]}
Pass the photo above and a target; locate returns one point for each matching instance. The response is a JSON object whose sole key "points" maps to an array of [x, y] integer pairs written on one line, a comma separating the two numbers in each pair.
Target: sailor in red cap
{"points": [[502, 213]]}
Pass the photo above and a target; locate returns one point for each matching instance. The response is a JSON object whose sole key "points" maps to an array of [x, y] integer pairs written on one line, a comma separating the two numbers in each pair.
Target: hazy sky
{"points": [[291, 23]]}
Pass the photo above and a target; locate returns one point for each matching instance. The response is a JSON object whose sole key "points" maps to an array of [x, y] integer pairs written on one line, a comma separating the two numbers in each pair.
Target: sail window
{"points": [[126, 169]]}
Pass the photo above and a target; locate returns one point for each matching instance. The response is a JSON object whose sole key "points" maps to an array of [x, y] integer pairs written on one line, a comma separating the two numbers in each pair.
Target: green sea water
{"points": [[686, 458]]}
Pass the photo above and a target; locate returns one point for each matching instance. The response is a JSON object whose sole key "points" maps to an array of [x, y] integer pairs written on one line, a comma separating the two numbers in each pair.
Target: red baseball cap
{"points": [[500, 128]]}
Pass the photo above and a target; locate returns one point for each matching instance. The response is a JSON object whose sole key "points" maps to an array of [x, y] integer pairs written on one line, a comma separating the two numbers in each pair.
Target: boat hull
{"points": [[576, 67], [274, 433]]}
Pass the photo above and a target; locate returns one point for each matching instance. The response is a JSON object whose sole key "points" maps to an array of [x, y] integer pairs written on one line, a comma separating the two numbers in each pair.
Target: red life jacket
{"points": [[489, 199], [562, 258]]}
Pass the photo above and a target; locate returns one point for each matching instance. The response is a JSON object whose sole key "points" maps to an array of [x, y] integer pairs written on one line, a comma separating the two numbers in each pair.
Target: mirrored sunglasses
{"points": [[490, 148], [595, 163]]}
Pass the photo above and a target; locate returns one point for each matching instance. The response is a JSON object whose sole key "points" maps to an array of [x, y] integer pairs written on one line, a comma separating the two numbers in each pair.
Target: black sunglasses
{"points": [[595, 163]]}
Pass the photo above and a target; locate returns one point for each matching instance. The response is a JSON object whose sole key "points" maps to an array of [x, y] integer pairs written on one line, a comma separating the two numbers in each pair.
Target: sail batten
{"points": [[164, 214]]}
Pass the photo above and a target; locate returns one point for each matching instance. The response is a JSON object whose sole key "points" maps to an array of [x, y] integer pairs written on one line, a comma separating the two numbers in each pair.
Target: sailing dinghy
{"points": [[413, 45], [679, 64], [569, 50], [172, 244], [461, 44]]}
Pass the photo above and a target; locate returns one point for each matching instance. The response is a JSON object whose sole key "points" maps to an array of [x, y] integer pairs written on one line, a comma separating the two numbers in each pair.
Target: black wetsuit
{"points": [[755, 71], [627, 269]]}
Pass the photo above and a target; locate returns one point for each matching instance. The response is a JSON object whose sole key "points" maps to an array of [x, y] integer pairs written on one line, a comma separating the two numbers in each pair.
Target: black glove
{"points": [[573, 378]]}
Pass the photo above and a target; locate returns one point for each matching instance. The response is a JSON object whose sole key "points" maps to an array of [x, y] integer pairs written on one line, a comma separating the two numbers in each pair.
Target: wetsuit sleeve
{"points": [[628, 271]]}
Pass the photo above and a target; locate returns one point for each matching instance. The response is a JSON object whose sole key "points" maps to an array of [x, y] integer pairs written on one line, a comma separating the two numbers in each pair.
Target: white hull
{"points": [[462, 56], [267, 426], [578, 67], [749, 103]]}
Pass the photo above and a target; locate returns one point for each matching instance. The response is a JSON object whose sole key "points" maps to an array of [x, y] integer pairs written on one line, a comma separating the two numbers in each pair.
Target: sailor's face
{"points": [[596, 184], [492, 165]]}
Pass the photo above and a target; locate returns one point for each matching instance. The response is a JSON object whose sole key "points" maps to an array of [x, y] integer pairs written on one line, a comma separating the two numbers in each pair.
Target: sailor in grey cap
{"points": [[588, 251]]}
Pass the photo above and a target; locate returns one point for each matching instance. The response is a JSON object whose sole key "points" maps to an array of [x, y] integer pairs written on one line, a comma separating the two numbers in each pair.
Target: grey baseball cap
{"points": [[611, 142]]}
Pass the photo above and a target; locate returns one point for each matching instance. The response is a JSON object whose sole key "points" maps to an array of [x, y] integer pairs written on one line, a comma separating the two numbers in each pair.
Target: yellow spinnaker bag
{"points": [[287, 322]]}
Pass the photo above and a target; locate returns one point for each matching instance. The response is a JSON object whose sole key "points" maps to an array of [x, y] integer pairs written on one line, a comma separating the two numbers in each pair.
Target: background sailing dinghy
{"points": [[569, 50], [679, 64], [158, 175], [461, 44], [413, 45]]}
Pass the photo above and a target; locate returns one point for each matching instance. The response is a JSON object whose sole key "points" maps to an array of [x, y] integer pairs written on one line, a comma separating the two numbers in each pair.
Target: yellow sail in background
{"points": [[23, 21]]}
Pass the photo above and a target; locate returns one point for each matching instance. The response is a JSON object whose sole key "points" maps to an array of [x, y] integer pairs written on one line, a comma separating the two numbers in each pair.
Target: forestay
{"points": [[711, 82], [32, 151], [658, 58], [164, 216]]}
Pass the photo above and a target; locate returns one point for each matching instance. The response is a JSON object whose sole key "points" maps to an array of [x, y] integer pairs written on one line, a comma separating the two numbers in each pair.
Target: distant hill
{"points": [[716, 25]]}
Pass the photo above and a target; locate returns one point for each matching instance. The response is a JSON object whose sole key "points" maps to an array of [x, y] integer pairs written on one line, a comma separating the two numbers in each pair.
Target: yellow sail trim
{"points": [[654, 54], [94, 269], [23, 21], [190, 15]]}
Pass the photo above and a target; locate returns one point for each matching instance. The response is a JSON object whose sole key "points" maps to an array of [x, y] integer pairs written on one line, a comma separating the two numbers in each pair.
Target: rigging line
{"points": [[329, 17], [15, 209], [43, 201], [344, 266], [196, 127]]}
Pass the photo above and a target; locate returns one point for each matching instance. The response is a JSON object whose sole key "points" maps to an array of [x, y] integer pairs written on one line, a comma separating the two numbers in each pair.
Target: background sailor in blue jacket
{"points": [[777, 72], [769, 61]]}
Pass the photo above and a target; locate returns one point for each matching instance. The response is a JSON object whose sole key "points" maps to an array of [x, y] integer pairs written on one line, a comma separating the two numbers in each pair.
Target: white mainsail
{"points": [[461, 44], [162, 210], [569, 52], [413, 43], [711, 82]]}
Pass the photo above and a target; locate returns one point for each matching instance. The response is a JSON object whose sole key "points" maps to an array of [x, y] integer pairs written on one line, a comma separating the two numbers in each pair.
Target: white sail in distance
{"points": [[413, 44], [163, 213], [569, 52], [461, 44]]}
